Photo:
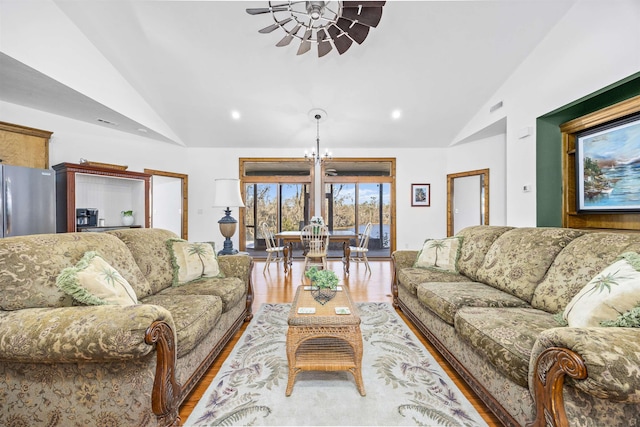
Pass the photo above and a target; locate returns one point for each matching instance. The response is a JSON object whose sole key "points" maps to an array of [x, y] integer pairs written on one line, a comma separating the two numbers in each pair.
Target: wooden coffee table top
{"points": [[325, 315]]}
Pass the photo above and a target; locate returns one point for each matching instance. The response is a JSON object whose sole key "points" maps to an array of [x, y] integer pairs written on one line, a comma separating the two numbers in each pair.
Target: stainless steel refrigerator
{"points": [[28, 204]]}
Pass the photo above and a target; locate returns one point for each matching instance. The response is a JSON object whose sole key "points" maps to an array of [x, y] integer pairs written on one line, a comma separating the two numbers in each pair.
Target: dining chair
{"points": [[359, 253], [275, 253], [315, 243]]}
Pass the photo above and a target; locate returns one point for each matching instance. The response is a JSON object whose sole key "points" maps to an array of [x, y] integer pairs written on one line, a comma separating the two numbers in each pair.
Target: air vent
{"points": [[495, 107], [107, 122]]}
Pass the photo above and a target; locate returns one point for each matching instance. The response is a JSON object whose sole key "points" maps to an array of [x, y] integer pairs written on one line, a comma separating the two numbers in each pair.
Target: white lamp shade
{"points": [[228, 193]]}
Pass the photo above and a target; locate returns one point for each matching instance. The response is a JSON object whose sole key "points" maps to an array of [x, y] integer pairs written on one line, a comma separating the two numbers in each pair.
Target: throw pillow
{"points": [[613, 292], [93, 281], [192, 261], [630, 319], [440, 254]]}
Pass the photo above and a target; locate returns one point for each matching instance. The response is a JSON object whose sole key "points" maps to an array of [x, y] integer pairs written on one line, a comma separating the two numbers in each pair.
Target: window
{"points": [[283, 207], [350, 206], [280, 192], [359, 191]]}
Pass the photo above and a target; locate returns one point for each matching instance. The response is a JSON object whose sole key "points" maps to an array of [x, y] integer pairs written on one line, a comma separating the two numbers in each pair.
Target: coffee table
{"points": [[324, 340]]}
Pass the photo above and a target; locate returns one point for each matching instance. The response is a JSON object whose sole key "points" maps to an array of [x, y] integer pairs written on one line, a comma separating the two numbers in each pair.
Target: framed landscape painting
{"points": [[420, 194], [608, 167]]}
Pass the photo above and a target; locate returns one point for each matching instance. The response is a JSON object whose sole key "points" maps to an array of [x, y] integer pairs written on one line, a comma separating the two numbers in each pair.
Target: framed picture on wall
{"points": [[608, 167], [420, 194]]}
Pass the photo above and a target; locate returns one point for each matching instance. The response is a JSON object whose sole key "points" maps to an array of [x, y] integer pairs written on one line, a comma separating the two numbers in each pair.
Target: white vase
{"points": [[127, 219]]}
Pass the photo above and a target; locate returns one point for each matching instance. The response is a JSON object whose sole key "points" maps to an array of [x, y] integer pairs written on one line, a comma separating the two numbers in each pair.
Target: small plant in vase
{"points": [[126, 217], [316, 221], [324, 284]]}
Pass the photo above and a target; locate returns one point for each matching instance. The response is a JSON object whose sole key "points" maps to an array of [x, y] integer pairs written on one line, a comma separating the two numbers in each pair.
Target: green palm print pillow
{"points": [[440, 254], [192, 261], [93, 281], [608, 296]]}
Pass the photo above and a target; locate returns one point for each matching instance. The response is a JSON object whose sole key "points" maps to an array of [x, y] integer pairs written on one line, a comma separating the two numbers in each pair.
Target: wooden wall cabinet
{"points": [[24, 146], [108, 190]]}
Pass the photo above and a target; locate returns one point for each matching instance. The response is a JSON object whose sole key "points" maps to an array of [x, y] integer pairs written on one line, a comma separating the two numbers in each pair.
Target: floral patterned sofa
{"points": [[496, 321], [64, 363]]}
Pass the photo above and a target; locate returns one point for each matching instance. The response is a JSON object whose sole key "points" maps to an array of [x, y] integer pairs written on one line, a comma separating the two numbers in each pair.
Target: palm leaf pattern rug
{"points": [[404, 384]]}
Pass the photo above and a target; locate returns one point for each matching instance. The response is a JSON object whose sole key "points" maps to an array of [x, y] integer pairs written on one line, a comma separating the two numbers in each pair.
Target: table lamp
{"points": [[228, 195]]}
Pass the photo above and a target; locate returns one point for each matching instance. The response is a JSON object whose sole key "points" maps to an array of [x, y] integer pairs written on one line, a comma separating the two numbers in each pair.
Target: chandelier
{"points": [[327, 24], [315, 156]]}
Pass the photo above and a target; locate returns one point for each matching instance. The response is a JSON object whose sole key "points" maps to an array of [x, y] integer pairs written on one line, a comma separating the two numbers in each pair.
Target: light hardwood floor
{"points": [[275, 287]]}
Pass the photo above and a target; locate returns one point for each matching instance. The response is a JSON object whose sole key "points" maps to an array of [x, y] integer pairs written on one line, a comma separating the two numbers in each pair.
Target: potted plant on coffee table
{"points": [[324, 284]]}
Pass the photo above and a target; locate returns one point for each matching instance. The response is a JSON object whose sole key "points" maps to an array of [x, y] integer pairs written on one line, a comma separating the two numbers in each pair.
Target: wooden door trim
{"points": [[185, 197]]}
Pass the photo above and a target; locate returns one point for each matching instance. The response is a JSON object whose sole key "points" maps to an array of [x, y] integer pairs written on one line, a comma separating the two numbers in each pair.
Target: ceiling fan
{"points": [[328, 24]]}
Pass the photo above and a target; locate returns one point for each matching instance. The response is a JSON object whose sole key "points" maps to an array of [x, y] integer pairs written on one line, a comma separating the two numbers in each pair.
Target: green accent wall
{"points": [[549, 145]]}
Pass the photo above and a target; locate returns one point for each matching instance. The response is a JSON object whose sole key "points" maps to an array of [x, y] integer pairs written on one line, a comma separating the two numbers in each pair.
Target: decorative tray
{"points": [[103, 165]]}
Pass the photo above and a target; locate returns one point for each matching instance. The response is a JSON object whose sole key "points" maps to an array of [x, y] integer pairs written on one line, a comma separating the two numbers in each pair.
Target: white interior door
{"points": [[167, 203], [467, 202]]}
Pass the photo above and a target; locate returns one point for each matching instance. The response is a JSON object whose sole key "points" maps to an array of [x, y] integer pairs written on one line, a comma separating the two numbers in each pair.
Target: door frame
{"points": [[185, 197], [484, 174]]}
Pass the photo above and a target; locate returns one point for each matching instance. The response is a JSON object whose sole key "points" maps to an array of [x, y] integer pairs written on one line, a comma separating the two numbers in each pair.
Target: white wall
{"points": [[486, 153], [594, 45], [73, 139], [66, 55]]}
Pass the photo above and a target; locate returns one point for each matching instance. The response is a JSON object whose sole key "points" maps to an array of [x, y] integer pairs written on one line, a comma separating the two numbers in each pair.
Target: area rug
{"points": [[404, 384]]}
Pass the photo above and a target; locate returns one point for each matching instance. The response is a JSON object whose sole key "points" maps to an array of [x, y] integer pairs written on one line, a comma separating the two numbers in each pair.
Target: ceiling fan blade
{"points": [[287, 39], [272, 27], [363, 3], [304, 47], [357, 32], [261, 10], [305, 44], [342, 42], [324, 46], [368, 15]]}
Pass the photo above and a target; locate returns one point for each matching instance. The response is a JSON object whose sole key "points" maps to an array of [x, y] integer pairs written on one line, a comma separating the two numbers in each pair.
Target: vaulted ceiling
{"points": [[197, 62]]}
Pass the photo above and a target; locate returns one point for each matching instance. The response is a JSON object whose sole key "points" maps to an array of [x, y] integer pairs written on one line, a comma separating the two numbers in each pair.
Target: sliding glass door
{"points": [[350, 206], [282, 207]]}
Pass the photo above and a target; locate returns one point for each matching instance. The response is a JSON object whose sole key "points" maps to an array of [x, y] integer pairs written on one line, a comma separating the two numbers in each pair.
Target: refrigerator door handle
{"points": [[9, 205]]}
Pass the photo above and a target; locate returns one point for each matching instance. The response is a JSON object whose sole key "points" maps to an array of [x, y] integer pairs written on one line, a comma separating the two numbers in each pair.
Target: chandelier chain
{"points": [[315, 152]]}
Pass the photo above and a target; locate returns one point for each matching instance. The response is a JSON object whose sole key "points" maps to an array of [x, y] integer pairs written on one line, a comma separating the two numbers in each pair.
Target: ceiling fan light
{"points": [[315, 9]]}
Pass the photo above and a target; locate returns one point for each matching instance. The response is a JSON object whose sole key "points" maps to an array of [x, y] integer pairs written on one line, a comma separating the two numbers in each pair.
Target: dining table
{"points": [[287, 238]]}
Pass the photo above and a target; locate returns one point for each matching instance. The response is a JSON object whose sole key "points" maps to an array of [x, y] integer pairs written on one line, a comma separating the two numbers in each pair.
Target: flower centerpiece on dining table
{"points": [[324, 284], [316, 221]]}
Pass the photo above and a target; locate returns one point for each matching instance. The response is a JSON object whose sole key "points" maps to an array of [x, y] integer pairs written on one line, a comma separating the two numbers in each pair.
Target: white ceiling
{"points": [[194, 62]]}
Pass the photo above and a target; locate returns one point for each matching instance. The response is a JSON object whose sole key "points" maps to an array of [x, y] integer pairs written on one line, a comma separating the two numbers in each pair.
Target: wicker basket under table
{"points": [[324, 341]]}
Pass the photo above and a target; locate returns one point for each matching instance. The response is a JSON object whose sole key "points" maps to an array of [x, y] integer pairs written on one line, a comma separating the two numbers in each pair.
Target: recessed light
{"points": [[396, 114], [235, 115]]}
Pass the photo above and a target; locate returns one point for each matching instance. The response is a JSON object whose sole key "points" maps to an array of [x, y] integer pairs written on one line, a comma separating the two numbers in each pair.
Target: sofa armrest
{"points": [[399, 260], [611, 357], [79, 333], [405, 258], [240, 266]]}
